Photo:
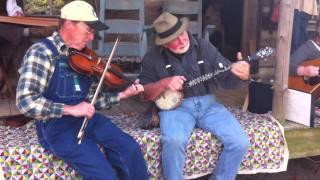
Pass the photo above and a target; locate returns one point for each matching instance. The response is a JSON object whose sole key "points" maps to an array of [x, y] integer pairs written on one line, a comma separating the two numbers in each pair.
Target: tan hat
{"points": [[168, 27], [82, 11]]}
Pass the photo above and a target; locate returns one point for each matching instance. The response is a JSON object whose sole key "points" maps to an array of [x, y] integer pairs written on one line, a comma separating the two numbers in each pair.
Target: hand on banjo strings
{"points": [[174, 83], [241, 68]]}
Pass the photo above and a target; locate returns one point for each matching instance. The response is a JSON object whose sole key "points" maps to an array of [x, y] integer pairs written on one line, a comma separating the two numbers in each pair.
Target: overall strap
{"points": [[55, 55], [50, 45]]}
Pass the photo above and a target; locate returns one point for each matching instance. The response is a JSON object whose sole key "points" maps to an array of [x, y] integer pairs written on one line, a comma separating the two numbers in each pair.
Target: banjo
{"points": [[170, 99]]}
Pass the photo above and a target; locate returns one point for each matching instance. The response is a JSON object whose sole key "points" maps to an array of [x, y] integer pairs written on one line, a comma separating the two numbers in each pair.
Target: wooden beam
{"points": [[249, 24], [33, 21], [282, 58]]}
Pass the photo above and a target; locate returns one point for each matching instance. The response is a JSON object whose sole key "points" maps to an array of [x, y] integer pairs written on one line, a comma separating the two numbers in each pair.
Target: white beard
{"points": [[181, 51]]}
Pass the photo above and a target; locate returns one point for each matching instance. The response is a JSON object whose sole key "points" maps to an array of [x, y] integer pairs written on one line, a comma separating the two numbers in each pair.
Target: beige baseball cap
{"points": [[82, 11]]}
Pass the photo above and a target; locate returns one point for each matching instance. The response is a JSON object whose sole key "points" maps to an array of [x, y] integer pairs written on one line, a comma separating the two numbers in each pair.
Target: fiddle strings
{"points": [[99, 59], [81, 54], [85, 121], [120, 75]]}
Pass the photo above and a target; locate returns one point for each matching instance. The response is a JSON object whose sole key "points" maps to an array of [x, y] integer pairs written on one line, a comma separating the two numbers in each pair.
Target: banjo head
{"points": [[169, 100]]}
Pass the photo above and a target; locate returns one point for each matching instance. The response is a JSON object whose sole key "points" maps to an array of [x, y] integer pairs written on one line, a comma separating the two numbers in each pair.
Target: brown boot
{"points": [[42, 31]]}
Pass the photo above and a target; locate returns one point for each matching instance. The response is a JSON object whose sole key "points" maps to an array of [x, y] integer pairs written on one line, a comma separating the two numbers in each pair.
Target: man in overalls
{"points": [[57, 97]]}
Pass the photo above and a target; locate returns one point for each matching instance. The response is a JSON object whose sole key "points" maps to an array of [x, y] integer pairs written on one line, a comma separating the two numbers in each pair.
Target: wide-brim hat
{"points": [[82, 11], [168, 27]]}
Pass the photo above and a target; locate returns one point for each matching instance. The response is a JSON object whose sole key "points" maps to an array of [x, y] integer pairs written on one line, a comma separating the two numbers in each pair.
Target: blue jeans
{"points": [[205, 113]]}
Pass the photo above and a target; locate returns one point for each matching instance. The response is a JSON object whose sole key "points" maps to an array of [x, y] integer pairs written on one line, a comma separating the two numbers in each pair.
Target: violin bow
{"points": [[85, 121]]}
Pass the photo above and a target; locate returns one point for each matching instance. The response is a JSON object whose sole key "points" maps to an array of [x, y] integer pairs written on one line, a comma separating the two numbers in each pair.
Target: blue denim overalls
{"points": [[59, 135]]}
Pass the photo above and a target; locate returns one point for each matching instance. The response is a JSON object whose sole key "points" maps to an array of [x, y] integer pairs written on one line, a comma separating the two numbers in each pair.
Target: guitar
{"points": [[169, 99], [308, 85]]}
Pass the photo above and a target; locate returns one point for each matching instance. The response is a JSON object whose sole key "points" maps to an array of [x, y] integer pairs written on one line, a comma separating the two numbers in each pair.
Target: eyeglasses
{"points": [[90, 31]]}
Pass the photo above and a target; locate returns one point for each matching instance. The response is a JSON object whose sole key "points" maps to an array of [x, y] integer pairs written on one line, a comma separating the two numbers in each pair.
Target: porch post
{"points": [[282, 58]]}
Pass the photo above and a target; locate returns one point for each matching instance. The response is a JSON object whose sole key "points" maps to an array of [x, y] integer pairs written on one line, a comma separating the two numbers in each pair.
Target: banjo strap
{"points": [[201, 66]]}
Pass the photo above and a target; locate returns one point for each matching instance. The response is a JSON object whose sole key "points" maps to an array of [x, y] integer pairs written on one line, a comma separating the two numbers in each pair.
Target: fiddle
{"points": [[88, 63]]}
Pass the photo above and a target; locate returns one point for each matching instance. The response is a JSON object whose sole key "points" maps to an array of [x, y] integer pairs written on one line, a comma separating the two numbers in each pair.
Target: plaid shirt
{"points": [[36, 71]]}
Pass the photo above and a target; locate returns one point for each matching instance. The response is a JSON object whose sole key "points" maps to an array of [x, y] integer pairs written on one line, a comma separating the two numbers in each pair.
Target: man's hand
{"points": [[308, 71], [83, 109], [174, 83], [154, 90], [132, 90], [241, 68]]}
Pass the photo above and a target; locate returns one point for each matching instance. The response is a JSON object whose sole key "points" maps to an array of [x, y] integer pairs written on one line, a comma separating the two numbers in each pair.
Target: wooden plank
{"points": [[34, 21], [249, 25], [189, 9], [282, 59], [125, 26], [4, 108], [303, 142], [178, 7], [13, 108], [124, 49], [290, 125], [252, 50], [234, 97], [123, 4], [8, 108], [246, 103]]}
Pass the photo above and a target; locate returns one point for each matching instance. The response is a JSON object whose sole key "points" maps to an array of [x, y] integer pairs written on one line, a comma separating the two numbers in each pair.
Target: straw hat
{"points": [[168, 27]]}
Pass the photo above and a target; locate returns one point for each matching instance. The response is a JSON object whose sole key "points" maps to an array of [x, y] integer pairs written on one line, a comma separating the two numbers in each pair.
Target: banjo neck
{"points": [[262, 53], [206, 77]]}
